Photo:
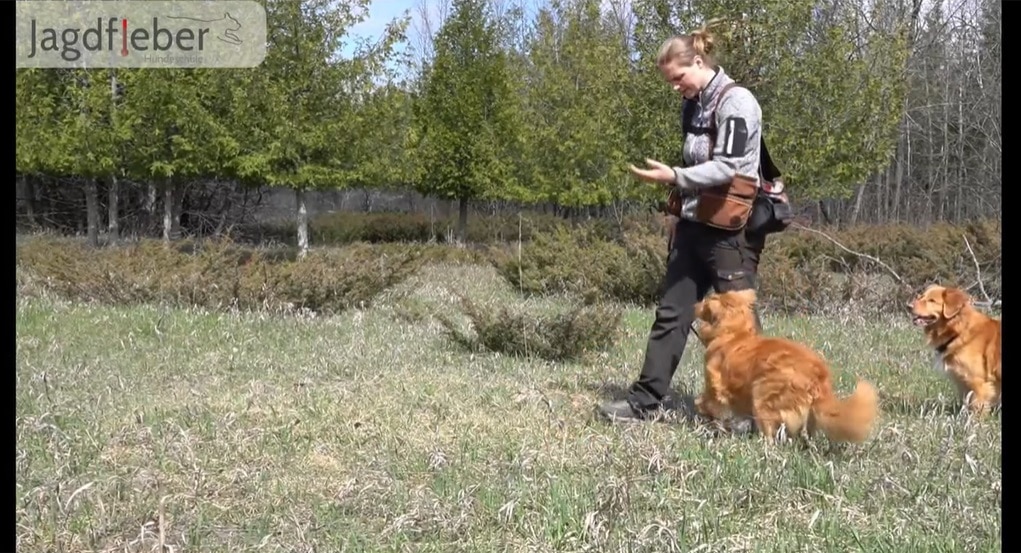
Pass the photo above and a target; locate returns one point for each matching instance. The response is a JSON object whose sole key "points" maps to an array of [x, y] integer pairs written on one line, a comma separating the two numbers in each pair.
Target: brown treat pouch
{"points": [[728, 206], [674, 202]]}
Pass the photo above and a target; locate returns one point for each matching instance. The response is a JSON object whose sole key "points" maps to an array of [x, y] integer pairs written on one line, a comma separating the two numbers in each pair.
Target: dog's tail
{"points": [[849, 419]]}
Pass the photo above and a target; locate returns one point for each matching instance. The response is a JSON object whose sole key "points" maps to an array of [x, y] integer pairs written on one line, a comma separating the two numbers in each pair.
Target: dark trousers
{"points": [[700, 258]]}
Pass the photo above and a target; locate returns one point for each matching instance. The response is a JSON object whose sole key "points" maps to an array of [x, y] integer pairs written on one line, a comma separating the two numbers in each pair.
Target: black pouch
{"points": [[771, 213]]}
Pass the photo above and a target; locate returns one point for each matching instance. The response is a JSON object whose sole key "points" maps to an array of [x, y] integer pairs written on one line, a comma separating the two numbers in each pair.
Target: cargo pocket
{"points": [[728, 265], [731, 280]]}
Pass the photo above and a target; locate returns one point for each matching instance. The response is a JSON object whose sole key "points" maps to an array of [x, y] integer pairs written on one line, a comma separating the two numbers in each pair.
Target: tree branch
{"points": [[875, 260], [978, 276]]}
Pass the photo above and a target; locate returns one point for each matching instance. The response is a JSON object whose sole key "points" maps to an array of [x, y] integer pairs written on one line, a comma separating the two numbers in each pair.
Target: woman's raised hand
{"points": [[657, 172]]}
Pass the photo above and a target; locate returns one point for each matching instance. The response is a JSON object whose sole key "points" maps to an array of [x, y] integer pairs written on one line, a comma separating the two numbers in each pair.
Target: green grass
{"points": [[371, 431]]}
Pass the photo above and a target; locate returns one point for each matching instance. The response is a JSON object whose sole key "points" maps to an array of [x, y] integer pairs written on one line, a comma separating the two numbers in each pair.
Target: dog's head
{"points": [[937, 303], [726, 312]]}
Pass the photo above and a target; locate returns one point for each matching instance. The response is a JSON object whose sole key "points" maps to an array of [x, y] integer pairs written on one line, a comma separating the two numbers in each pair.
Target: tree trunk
{"points": [[898, 183], [823, 213], [171, 211], [462, 219], [40, 202], [962, 153], [92, 211], [299, 197], [114, 201], [858, 196], [179, 192], [149, 205], [114, 194], [28, 196], [945, 151], [876, 215]]}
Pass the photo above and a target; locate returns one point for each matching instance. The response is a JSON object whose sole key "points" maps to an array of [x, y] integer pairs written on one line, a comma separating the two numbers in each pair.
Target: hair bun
{"points": [[703, 40]]}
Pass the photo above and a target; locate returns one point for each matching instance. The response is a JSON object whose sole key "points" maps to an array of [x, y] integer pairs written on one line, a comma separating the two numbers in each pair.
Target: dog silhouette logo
{"points": [[223, 28]]}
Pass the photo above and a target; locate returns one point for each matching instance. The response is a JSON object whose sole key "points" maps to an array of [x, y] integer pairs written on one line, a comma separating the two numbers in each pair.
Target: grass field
{"points": [[371, 431]]}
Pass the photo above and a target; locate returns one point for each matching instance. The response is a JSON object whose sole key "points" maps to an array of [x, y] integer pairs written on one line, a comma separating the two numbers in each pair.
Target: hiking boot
{"points": [[622, 411]]}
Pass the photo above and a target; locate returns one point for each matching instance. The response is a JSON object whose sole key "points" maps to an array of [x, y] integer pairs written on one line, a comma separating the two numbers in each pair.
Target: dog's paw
{"points": [[741, 426], [700, 407]]}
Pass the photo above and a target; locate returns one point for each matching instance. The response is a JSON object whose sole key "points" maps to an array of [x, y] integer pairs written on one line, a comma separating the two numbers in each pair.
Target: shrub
{"points": [[582, 263], [217, 274], [919, 256], [554, 336], [800, 271]]}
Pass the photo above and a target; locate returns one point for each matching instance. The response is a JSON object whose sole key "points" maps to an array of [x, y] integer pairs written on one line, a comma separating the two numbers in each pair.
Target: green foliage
{"points": [[465, 118], [313, 120], [39, 109], [841, 122], [380, 151], [548, 106], [305, 113], [178, 134], [89, 142], [839, 125], [577, 88], [654, 115]]}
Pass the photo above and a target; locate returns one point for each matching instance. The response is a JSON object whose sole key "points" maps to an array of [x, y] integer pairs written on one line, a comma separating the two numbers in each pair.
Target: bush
{"points": [[800, 271], [217, 274], [582, 263], [807, 267], [555, 336]]}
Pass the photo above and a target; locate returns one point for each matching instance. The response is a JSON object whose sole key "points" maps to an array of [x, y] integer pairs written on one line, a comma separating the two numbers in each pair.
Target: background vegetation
{"points": [[488, 122], [364, 296]]}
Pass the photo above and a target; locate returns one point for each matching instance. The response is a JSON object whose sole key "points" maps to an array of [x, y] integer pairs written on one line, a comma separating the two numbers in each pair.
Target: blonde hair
{"points": [[682, 49]]}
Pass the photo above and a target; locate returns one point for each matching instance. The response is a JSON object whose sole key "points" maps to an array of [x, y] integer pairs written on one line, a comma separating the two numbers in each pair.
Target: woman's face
{"points": [[685, 79]]}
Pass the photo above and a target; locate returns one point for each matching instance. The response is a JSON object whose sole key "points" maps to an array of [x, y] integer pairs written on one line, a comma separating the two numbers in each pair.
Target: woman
{"points": [[701, 256]]}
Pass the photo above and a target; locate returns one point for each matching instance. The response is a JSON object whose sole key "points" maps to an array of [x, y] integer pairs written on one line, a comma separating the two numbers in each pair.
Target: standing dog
{"points": [[967, 343], [775, 380]]}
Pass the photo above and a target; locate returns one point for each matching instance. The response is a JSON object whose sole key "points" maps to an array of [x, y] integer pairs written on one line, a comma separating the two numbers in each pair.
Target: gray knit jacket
{"points": [[739, 125]]}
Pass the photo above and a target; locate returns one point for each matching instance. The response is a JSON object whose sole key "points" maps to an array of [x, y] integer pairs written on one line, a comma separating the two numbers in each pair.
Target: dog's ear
{"points": [[746, 296], [954, 300], [714, 306], [704, 309]]}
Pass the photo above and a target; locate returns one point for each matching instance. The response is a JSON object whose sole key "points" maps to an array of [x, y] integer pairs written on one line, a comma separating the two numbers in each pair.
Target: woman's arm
{"points": [[739, 124]]}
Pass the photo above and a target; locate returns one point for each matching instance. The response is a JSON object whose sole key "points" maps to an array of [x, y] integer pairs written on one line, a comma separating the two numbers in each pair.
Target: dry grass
{"points": [[371, 431]]}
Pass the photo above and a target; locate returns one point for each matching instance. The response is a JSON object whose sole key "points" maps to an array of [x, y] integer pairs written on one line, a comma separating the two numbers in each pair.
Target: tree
{"points": [[466, 115], [380, 152], [76, 134], [308, 99], [179, 133], [38, 97], [578, 100]]}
